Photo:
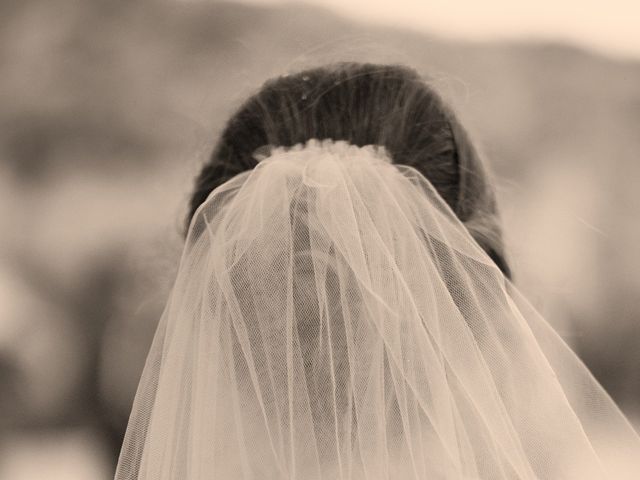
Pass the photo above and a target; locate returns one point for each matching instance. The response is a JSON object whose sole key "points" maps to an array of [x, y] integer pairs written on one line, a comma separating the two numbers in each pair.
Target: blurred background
{"points": [[109, 107]]}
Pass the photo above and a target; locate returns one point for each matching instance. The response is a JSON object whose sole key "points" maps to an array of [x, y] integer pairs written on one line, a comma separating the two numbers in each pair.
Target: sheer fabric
{"points": [[333, 319]]}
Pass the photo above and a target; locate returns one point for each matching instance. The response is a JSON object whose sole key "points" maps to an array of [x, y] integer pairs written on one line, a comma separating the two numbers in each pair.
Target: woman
{"points": [[343, 309]]}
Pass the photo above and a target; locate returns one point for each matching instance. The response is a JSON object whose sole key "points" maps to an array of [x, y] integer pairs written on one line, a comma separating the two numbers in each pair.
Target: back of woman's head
{"points": [[364, 104]]}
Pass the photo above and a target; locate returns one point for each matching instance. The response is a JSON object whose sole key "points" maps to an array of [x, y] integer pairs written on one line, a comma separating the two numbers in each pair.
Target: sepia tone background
{"points": [[109, 107]]}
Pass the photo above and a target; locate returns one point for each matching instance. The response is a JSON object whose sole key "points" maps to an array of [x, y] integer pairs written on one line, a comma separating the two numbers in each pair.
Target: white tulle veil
{"points": [[333, 319]]}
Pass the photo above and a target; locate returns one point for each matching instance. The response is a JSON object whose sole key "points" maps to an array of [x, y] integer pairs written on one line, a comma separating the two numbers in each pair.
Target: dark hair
{"points": [[364, 104]]}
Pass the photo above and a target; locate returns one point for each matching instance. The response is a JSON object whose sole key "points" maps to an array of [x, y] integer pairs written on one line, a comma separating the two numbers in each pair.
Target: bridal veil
{"points": [[333, 319]]}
